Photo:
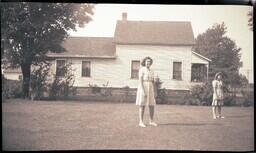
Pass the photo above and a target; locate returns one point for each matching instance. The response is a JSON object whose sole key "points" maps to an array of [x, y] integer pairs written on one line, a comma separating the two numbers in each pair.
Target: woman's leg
{"points": [[214, 112], [151, 113], [141, 114]]}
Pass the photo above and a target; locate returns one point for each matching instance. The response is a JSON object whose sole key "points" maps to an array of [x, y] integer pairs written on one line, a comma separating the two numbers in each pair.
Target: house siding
{"points": [[117, 72], [163, 58], [12, 76], [102, 71]]}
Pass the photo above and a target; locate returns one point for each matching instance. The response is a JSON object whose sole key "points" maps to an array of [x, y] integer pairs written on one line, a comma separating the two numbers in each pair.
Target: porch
{"points": [[199, 68]]}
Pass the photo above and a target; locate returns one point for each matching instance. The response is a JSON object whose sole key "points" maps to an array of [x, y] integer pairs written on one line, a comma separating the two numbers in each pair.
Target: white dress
{"points": [[217, 98], [148, 78]]}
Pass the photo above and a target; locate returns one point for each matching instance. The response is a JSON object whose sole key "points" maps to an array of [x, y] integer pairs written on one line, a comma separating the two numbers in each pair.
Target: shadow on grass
{"points": [[187, 124], [237, 116]]}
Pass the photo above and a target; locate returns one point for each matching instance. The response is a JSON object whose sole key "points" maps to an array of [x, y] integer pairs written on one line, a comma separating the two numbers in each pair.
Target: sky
{"points": [[201, 17]]}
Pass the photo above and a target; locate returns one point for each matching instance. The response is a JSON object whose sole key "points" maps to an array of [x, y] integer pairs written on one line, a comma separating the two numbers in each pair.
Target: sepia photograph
{"points": [[86, 76]]}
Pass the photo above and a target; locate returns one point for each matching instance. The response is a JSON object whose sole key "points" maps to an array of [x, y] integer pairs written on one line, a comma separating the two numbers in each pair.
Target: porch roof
{"points": [[200, 59]]}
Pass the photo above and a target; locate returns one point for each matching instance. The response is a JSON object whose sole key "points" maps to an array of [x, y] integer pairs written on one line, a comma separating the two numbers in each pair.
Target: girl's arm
{"points": [[154, 85]]}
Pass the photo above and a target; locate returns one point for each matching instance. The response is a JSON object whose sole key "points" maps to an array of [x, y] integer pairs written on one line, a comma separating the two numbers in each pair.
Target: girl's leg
{"points": [[151, 113], [141, 114], [219, 112]]}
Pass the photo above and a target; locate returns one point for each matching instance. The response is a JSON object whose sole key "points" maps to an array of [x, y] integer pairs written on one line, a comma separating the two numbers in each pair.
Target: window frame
{"points": [[132, 71], [56, 61], [90, 69], [181, 70]]}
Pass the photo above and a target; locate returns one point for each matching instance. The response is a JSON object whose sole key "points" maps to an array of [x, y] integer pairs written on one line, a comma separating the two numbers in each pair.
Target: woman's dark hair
{"points": [[217, 74], [144, 60]]}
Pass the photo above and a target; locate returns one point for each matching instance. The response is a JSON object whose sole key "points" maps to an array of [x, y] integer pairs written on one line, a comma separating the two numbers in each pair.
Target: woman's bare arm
{"points": [[141, 83], [214, 89]]}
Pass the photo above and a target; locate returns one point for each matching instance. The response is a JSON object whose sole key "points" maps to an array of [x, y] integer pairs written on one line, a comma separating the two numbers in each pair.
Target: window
{"points": [[20, 77], [61, 68], [135, 69], [198, 72], [86, 69], [177, 70]]}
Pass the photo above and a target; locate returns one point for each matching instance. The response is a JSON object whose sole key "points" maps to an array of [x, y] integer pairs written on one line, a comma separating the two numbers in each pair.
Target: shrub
{"points": [[54, 92], [229, 100], [161, 95], [95, 89], [68, 82], [248, 98], [38, 80], [125, 91], [11, 88], [200, 95], [3, 88], [62, 87], [106, 91], [192, 101]]}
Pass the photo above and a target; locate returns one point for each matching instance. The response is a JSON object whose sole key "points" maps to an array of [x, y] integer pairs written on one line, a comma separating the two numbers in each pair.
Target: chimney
{"points": [[124, 15]]}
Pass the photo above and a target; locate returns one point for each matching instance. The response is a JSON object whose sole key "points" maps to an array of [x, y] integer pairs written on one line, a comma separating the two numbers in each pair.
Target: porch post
{"points": [[207, 69]]}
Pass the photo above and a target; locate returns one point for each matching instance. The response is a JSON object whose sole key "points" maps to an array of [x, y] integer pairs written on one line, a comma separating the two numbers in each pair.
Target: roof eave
{"points": [[12, 72], [80, 56], [202, 56], [154, 44]]}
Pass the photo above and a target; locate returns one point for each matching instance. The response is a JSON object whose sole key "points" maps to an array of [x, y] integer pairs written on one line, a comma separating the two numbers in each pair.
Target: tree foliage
{"points": [[250, 20], [30, 30], [222, 50], [39, 80]]}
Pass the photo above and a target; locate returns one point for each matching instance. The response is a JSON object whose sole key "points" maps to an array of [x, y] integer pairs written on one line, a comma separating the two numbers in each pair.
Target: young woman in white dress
{"points": [[145, 93], [218, 96]]}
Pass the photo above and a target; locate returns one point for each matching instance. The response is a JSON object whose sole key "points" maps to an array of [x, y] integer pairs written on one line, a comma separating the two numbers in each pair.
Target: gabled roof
{"points": [[154, 33], [90, 47]]}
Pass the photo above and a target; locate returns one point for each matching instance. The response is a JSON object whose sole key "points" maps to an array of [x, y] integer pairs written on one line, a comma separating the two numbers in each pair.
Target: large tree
{"points": [[30, 30], [223, 52]]}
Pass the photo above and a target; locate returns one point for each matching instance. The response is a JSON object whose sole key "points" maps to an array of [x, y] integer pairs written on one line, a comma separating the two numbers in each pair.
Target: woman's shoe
{"points": [[142, 125], [152, 123]]}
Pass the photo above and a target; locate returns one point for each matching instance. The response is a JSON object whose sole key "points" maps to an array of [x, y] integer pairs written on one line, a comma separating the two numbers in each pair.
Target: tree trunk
{"points": [[25, 68]]}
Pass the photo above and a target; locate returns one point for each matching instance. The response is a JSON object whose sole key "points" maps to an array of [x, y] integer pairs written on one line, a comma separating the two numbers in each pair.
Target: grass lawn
{"points": [[70, 125]]}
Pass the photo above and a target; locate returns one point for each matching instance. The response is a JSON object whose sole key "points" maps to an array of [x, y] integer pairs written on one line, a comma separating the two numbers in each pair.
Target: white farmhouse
{"points": [[116, 61]]}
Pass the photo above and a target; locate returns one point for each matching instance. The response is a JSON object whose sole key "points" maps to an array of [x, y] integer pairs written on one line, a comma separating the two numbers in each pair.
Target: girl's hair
{"points": [[144, 60], [217, 74]]}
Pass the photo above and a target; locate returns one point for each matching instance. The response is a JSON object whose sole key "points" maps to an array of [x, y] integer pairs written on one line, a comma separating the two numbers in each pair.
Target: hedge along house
{"points": [[116, 61]]}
